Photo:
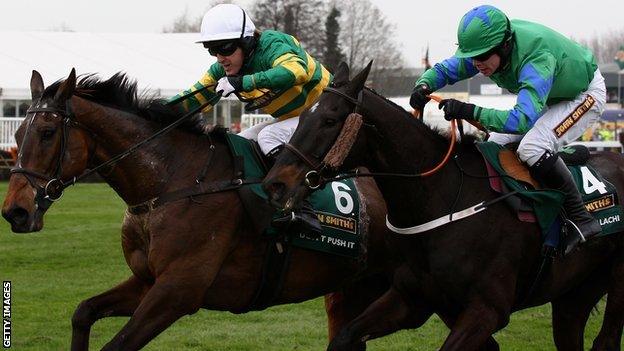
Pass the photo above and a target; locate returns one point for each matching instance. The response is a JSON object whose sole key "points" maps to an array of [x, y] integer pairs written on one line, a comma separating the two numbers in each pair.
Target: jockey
{"points": [[561, 93], [269, 70]]}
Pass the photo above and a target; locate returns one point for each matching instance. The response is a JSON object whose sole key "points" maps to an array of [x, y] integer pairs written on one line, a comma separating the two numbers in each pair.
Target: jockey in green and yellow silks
{"points": [[269, 62], [561, 93], [269, 70]]}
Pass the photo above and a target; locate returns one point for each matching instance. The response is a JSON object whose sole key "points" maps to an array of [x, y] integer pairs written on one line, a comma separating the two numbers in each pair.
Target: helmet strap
{"points": [[248, 44], [245, 23], [504, 48]]}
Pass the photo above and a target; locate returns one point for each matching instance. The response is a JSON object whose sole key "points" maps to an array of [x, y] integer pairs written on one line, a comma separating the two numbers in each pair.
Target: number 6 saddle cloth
{"points": [[337, 205]]}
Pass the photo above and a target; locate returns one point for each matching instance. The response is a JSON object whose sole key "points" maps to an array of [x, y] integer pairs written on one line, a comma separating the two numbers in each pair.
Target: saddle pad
{"points": [[600, 198], [514, 168], [598, 194], [337, 206]]}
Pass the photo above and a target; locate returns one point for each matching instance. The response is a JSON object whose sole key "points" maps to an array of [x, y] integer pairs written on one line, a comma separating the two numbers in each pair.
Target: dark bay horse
{"points": [[186, 254], [477, 270]]}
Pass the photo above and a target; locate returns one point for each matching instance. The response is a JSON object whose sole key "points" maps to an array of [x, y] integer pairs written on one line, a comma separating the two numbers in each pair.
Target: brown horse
{"points": [[477, 270], [185, 254]]}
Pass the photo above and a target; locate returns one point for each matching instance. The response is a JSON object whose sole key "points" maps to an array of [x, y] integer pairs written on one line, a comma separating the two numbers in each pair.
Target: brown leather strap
{"points": [[199, 189], [313, 165]]}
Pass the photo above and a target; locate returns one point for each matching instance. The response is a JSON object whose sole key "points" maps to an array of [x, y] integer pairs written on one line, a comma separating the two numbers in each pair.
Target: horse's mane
{"points": [[467, 140], [120, 92]]}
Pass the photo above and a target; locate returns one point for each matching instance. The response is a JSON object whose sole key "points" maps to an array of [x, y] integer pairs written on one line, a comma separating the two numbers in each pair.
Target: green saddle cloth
{"points": [[337, 207], [599, 195]]}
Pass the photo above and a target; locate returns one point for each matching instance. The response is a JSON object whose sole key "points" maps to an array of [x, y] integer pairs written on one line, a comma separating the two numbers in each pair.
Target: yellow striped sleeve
{"points": [[200, 98], [295, 65]]}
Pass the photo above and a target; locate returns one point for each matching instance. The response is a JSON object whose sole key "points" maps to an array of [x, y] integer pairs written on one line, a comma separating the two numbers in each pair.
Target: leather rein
{"points": [[315, 178], [55, 185]]}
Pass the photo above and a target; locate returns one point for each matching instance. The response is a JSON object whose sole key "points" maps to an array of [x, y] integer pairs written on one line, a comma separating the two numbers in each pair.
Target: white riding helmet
{"points": [[225, 21]]}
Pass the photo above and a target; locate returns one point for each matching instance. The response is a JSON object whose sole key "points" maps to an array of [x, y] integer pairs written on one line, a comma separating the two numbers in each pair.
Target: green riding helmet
{"points": [[480, 30]]}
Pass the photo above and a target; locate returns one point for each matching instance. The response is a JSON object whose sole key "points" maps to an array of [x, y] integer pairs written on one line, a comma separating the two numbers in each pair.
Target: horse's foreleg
{"points": [[344, 305], [490, 345], [121, 300], [389, 313], [172, 296], [474, 327], [610, 335]]}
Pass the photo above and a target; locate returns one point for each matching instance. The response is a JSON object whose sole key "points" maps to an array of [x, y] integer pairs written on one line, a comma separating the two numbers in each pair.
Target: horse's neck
{"points": [[406, 146], [146, 172]]}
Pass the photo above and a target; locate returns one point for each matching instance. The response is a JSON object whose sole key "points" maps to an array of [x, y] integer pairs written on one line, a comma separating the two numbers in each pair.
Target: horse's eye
{"points": [[330, 122], [46, 134]]}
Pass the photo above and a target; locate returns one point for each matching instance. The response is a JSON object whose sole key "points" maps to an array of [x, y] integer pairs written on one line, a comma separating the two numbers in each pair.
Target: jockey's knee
{"points": [[269, 139], [531, 152]]}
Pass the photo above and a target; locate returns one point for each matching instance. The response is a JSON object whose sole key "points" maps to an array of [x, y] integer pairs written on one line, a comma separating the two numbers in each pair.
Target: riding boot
{"points": [[551, 171], [303, 220]]}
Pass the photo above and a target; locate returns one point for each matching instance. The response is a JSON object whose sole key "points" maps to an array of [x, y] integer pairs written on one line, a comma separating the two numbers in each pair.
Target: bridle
{"points": [[315, 178], [53, 190]]}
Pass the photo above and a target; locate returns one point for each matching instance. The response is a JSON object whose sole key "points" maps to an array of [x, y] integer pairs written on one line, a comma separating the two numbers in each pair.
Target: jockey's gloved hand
{"points": [[229, 85], [455, 109], [419, 98]]}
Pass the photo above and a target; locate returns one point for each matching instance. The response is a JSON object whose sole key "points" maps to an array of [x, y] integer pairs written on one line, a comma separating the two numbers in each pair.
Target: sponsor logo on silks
{"points": [[573, 117], [337, 222], [602, 203], [609, 220]]}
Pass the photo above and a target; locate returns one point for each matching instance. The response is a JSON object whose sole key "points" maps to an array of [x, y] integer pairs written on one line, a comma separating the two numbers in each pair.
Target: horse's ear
{"points": [[342, 74], [358, 81], [36, 85], [66, 90]]}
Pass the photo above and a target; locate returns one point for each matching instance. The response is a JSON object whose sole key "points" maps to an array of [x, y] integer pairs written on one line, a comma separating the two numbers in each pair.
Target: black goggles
{"points": [[485, 56], [223, 49]]}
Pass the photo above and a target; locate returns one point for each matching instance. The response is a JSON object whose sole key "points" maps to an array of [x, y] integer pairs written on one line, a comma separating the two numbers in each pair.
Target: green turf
{"points": [[78, 255]]}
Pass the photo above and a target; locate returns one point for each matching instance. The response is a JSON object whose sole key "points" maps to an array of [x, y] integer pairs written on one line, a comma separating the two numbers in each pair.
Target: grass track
{"points": [[78, 255]]}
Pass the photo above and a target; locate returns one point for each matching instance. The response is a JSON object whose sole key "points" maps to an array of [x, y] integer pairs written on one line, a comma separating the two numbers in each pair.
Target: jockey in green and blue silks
{"points": [[270, 70], [561, 93]]}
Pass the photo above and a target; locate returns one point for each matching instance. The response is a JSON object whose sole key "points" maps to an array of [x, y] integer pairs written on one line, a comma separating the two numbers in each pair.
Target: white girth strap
{"points": [[438, 222]]}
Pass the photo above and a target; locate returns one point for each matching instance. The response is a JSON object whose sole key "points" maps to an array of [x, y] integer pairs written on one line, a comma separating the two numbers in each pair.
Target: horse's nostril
{"points": [[16, 216]]}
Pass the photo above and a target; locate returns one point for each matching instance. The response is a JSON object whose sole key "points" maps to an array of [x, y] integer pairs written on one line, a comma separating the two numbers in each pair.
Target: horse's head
{"points": [[52, 150], [327, 140]]}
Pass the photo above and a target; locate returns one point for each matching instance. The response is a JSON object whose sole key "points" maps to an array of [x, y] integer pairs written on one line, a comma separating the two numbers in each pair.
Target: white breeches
{"points": [[271, 134], [559, 124]]}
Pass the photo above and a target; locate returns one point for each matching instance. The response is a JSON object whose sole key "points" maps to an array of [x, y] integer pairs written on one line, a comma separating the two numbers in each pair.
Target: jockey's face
{"points": [[488, 66], [232, 63]]}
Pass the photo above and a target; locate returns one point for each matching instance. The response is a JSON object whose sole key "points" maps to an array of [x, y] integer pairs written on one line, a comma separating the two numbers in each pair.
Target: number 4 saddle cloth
{"points": [[544, 205], [337, 205]]}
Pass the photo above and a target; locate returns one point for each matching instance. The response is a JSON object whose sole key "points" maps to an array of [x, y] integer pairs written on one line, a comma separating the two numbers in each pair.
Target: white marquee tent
{"points": [[165, 63]]}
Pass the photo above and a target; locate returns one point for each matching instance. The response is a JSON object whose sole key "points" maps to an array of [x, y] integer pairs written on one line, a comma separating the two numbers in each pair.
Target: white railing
{"points": [[250, 120], [8, 127]]}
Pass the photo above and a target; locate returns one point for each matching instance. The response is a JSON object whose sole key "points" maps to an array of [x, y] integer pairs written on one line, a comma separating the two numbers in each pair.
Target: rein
{"points": [[341, 147], [55, 186]]}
